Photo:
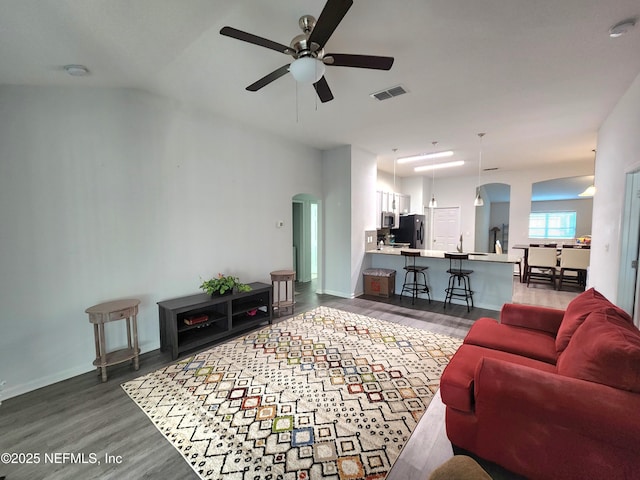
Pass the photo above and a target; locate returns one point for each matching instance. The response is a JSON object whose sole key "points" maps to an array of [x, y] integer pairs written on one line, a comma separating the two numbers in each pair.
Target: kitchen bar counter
{"points": [[491, 280]]}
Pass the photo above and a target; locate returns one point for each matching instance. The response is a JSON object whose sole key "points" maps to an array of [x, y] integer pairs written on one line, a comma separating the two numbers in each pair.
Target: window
{"points": [[552, 225]]}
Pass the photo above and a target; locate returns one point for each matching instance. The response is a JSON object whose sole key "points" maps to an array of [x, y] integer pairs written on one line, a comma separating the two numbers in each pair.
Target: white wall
{"points": [[363, 211], [460, 192], [384, 182], [414, 187], [618, 154], [336, 178], [349, 210], [113, 193]]}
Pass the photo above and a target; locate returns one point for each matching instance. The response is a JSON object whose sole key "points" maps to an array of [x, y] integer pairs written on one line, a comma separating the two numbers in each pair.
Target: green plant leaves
{"points": [[222, 284]]}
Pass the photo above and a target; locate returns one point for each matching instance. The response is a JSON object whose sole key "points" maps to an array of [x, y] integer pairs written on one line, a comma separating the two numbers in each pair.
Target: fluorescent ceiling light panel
{"points": [[425, 156], [437, 166]]}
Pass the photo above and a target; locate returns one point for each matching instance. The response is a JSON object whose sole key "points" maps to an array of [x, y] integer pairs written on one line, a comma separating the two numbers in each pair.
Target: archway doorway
{"points": [[492, 219], [305, 241]]}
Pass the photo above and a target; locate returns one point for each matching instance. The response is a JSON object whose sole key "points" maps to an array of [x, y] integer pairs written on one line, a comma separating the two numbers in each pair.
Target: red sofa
{"points": [[549, 394]]}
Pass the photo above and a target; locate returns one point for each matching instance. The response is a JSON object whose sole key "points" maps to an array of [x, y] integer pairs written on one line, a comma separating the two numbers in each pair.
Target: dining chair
{"points": [[542, 264], [574, 260]]}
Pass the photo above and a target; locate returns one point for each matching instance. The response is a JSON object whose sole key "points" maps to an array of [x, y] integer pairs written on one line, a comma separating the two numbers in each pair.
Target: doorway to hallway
{"points": [[628, 284], [305, 241]]}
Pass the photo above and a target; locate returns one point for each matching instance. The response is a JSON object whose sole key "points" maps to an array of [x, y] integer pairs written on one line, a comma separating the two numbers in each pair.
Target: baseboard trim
{"points": [[15, 390], [339, 294]]}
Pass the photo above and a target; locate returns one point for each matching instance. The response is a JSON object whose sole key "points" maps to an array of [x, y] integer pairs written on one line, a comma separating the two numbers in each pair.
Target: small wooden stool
{"points": [[278, 277], [109, 312]]}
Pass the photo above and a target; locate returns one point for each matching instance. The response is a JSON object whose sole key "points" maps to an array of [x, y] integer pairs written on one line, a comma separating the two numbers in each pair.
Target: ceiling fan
{"points": [[307, 49]]}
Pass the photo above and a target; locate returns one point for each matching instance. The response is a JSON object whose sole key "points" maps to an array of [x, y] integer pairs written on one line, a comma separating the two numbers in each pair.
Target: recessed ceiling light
{"points": [[76, 70], [425, 156], [622, 27]]}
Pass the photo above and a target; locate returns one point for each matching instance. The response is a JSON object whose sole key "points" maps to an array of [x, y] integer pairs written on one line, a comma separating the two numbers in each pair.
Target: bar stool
{"points": [[461, 276], [412, 282], [278, 278]]}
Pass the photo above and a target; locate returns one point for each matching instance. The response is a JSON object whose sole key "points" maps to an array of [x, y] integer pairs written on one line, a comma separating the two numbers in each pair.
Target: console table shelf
{"points": [[227, 315]]}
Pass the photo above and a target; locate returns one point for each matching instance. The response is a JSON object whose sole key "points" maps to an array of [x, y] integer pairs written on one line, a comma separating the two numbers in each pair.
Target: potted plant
{"points": [[223, 284]]}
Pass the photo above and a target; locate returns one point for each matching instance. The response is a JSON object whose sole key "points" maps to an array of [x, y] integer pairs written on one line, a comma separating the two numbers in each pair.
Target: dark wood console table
{"points": [[189, 322]]}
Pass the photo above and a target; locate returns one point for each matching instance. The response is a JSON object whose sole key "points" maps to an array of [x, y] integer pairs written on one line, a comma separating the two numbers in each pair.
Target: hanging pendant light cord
{"points": [[480, 160], [478, 202], [432, 202], [393, 202]]}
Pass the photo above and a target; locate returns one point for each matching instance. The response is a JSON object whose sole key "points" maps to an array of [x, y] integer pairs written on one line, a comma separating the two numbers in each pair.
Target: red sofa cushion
{"points": [[536, 344], [605, 349], [578, 310], [456, 384]]}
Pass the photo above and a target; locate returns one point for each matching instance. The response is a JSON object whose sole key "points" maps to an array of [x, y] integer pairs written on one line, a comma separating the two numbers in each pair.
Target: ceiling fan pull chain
{"points": [[297, 104]]}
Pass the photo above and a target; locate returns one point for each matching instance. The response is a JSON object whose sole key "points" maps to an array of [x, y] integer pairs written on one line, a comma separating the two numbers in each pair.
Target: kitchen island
{"points": [[491, 280]]}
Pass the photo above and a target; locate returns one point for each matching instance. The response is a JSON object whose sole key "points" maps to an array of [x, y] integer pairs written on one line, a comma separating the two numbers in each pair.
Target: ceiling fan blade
{"points": [[267, 79], [359, 61], [256, 40], [323, 90], [332, 14]]}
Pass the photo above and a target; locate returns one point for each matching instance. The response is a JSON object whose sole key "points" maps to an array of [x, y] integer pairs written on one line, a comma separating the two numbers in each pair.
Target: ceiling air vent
{"points": [[389, 93]]}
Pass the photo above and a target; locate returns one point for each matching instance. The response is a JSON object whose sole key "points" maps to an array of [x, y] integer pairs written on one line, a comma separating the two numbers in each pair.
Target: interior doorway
{"points": [[492, 218], [305, 229], [628, 284], [446, 229]]}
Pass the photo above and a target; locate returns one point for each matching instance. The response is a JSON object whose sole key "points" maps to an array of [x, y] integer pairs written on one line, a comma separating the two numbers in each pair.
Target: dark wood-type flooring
{"points": [[84, 415]]}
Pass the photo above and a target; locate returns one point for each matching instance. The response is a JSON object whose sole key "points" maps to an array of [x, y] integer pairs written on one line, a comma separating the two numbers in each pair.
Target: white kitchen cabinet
{"points": [[386, 201]]}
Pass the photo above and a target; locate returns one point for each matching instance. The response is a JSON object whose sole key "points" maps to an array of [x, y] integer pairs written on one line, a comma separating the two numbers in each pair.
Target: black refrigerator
{"points": [[412, 230]]}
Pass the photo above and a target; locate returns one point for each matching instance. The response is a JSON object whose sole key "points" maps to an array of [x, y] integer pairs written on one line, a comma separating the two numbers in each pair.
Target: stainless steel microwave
{"points": [[388, 220]]}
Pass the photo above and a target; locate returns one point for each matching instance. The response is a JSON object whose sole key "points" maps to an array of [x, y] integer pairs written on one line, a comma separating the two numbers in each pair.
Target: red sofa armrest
{"points": [[529, 316], [505, 391]]}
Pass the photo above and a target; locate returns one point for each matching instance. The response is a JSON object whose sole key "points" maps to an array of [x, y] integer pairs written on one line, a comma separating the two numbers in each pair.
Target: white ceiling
{"points": [[537, 76]]}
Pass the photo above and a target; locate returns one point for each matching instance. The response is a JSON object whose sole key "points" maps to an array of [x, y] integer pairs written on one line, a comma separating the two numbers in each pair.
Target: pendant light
{"points": [[478, 202], [433, 203], [590, 191]]}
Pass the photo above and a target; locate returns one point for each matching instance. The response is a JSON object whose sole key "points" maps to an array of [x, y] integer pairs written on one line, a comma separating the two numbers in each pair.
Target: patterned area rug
{"points": [[327, 394]]}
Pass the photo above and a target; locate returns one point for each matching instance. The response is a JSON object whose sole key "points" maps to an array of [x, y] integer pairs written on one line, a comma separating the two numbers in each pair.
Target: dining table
{"points": [[525, 256]]}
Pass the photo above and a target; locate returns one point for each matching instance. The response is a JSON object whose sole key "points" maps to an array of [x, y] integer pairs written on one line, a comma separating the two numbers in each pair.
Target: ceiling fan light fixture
{"points": [[307, 69]]}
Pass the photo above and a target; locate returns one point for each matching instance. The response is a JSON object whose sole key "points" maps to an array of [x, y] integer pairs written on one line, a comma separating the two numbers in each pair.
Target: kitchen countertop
{"points": [[491, 280], [473, 256]]}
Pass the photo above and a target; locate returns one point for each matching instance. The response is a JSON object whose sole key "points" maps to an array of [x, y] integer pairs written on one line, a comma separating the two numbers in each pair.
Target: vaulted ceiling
{"points": [[538, 77]]}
